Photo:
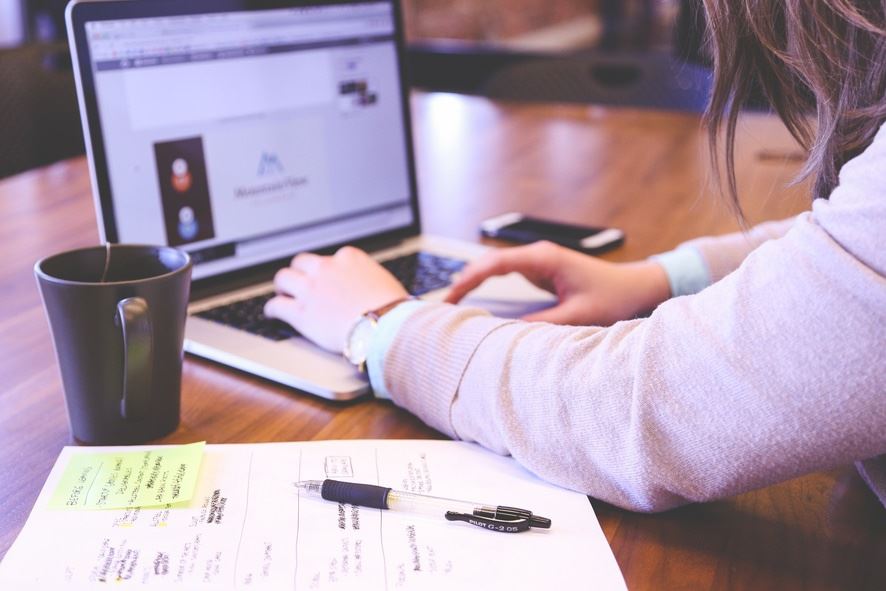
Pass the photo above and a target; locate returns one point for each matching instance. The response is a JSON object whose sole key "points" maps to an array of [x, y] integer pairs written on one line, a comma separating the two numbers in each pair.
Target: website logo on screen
{"points": [[269, 164], [275, 182]]}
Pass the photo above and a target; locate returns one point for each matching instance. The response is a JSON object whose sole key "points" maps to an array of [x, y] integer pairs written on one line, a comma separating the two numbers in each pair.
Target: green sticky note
{"points": [[116, 480]]}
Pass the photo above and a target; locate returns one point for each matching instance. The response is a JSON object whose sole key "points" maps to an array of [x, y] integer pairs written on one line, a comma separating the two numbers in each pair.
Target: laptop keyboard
{"points": [[420, 273], [249, 315]]}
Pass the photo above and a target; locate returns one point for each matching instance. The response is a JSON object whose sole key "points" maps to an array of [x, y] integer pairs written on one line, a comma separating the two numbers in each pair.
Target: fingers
{"points": [[536, 262], [310, 263], [489, 265], [291, 282], [295, 279], [350, 252], [307, 262], [284, 308]]}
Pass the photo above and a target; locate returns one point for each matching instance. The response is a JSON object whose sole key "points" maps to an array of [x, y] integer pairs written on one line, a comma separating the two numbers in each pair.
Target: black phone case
{"points": [[527, 237]]}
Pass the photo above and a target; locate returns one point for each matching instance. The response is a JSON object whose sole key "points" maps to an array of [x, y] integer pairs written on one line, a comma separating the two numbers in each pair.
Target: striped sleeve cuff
{"points": [[686, 270], [388, 327]]}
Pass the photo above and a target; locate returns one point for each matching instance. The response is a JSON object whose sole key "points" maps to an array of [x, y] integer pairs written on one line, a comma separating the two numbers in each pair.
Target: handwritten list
{"points": [[125, 479]]}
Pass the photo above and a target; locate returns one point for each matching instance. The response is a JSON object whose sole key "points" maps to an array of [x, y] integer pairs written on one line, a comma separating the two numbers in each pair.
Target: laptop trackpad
{"points": [[509, 296]]}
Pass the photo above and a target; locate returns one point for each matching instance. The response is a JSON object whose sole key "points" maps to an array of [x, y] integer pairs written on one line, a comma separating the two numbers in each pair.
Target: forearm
{"points": [[708, 397]]}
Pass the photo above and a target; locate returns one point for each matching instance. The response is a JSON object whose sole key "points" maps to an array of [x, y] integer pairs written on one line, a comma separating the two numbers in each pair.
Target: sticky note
{"points": [[121, 479]]}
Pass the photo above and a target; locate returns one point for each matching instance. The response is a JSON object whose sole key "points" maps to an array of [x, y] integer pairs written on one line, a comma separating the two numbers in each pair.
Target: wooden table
{"points": [[645, 172]]}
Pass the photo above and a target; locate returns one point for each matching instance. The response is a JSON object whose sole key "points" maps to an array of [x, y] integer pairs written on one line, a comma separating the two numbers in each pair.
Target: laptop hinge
{"points": [[212, 286], [376, 244]]}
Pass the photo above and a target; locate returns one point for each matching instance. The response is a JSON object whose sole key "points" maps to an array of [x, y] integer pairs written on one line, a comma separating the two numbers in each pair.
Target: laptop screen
{"points": [[245, 136]]}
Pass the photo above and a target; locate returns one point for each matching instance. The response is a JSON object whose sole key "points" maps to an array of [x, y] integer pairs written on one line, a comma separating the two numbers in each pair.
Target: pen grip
{"points": [[352, 493]]}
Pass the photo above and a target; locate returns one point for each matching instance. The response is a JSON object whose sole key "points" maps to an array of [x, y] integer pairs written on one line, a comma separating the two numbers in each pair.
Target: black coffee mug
{"points": [[117, 315]]}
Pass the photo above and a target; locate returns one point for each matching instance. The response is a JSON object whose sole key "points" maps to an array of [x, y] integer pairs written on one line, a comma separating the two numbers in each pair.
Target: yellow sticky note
{"points": [[116, 480]]}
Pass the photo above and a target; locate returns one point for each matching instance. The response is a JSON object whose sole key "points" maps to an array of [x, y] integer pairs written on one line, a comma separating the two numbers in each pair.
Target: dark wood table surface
{"points": [[643, 171]]}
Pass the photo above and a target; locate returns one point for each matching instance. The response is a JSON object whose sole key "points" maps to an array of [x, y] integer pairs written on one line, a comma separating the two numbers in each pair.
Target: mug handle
{"points": [[134, 320]]}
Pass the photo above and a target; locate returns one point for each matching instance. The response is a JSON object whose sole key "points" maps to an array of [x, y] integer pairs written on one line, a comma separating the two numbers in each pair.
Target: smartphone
{"points": [[516, 227]]}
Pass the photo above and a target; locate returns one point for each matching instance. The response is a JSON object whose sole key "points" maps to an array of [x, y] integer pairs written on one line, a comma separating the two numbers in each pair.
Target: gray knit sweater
{"points": [[776, 370]]}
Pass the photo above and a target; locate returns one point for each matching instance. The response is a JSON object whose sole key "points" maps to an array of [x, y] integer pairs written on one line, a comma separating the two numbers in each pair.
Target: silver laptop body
{"points": [[246, 132]]}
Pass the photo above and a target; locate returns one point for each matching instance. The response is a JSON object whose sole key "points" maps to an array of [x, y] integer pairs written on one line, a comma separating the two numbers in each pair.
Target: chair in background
{"points": [[455, 67], [631, 65], [650, 80], [641, 79], [39, 117]]}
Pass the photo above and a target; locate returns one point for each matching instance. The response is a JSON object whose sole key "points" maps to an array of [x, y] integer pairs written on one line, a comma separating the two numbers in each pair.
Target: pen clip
{"points": [[511, 525]]}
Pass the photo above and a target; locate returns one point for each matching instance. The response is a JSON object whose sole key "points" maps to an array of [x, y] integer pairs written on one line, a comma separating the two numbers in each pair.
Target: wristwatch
{"points": [[356, 348]]}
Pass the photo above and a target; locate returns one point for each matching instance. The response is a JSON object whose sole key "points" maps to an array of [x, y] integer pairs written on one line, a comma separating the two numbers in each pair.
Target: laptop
{"points": [[247, 131]]}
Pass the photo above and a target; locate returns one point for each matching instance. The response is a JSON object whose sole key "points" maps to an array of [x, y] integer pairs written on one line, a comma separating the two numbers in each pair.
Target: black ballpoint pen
{"points": [[494, 518]]}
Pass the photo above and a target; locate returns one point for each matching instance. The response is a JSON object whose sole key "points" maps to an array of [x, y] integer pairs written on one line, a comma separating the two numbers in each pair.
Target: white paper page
{"points": [[248, 528]]}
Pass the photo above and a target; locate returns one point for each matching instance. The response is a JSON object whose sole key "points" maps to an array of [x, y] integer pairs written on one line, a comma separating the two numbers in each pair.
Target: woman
{"points": [[773, 366]]}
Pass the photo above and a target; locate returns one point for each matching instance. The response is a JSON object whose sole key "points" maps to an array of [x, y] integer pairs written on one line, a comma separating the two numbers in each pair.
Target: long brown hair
{"points": [[825, 58]]}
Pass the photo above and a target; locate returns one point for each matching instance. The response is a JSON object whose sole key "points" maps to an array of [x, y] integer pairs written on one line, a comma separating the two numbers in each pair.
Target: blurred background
{"points": [[641, 53], [546, 25]]}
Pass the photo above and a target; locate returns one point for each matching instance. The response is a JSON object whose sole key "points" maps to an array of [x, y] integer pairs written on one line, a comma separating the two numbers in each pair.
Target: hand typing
{"points": [[590, 291], [322, 297]]}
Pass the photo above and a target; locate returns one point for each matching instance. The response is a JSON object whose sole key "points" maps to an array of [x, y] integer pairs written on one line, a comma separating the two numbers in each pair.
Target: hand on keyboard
{"points": [[419, 273], [322, 297]]}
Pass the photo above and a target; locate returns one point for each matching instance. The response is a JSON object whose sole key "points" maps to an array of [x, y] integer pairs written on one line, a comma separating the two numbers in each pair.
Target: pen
{"points": [[498, 518]]}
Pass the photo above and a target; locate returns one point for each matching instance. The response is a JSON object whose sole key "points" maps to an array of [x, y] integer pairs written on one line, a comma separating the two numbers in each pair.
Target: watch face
{"points": [[358, 343]]}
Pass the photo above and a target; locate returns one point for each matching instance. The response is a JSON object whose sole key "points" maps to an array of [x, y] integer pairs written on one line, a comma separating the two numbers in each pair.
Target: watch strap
{"points": [[372, 316], [379, 312]]}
